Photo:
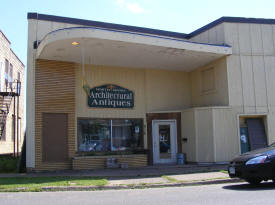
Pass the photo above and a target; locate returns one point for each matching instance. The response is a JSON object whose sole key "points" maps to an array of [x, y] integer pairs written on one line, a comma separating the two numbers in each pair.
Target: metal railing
{"points": [[13, 87]]}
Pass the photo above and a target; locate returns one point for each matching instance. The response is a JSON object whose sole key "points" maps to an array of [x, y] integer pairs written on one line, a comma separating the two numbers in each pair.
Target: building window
{"points": [[18, 83], [208, 80], [102, 135], [11, 75], [6, 73], [1, 64], [18, 77]]}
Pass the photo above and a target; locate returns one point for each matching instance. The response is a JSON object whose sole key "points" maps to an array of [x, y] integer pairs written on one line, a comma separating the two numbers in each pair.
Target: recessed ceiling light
{"points": [[75, 43]]}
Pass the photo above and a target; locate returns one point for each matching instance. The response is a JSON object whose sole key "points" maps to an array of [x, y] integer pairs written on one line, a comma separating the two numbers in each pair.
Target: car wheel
{"points": [[254, 181]]}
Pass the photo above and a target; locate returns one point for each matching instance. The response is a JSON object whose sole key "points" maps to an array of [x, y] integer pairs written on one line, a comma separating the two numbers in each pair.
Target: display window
{"points": [[104, 135]]}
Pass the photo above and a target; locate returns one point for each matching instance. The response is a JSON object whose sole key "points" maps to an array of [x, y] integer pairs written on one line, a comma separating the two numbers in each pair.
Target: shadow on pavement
{"points": [[249, 187]]}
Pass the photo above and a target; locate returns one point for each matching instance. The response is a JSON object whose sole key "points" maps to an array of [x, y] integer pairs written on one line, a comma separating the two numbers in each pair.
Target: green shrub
{"points": [[22, 159], [8, 164]]}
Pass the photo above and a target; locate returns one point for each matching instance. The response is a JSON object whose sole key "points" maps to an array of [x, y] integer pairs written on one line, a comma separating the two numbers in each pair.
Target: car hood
{"points": [[269, 151]]}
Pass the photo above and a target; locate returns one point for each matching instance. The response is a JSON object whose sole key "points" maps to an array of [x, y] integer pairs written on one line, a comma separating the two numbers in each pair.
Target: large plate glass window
{"points": [[102, 135]]}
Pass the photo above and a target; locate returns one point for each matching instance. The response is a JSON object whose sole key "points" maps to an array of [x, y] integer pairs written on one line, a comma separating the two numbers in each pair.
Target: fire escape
{"points": [[12, 90]]}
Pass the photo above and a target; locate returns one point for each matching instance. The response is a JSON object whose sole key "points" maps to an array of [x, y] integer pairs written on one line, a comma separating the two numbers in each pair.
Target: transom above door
{"points": [[164, 134]]}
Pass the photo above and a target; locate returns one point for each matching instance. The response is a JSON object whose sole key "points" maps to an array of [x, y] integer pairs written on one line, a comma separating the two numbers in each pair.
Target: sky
{"points": [[171, 15]]}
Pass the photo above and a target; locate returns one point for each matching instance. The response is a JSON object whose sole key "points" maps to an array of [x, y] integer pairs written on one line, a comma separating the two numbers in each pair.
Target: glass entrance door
{"points": [[164, 139]]}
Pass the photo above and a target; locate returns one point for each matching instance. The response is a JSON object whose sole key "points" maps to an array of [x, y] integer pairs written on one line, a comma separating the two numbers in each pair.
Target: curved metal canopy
{"points": [[126, 49]]}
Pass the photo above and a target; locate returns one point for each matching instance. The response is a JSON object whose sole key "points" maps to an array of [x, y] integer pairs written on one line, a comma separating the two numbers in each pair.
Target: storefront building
{"points": [[106, 95]]}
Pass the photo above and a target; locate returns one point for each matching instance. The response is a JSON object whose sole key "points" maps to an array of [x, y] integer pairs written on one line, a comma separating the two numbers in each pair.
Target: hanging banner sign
{"points": [[110, 96]]}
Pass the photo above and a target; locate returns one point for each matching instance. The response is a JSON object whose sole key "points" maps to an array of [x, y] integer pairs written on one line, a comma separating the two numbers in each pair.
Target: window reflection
{"points": [[94, 135], [100, 135], [125, 134]]}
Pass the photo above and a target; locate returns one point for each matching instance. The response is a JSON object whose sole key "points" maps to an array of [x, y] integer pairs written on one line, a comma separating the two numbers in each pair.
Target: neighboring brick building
{"points": [[11, 71]]}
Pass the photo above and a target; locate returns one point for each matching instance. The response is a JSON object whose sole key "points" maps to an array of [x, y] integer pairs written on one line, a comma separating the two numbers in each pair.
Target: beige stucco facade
{"points": [[6, 54], [152, 90], [211, 98], [249, 74]]}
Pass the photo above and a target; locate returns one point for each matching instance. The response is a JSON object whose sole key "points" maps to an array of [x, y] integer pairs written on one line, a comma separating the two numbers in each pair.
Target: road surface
{"points": [[237, 193]]}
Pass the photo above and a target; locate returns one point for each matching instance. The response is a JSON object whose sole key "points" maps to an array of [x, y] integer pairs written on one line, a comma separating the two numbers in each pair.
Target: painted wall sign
{"points": [[110, 96]]}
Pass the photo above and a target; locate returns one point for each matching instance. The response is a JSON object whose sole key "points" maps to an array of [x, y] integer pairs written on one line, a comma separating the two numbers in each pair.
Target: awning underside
{"points": [[112, 48]]}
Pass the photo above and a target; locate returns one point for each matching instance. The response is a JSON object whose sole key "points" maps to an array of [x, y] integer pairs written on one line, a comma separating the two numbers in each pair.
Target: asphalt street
{"points": [[237, 193]]}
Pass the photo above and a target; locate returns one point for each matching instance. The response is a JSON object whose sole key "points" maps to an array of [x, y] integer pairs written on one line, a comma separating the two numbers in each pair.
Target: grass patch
{"points": [[171, 179], [224, 171], [36, 183]]}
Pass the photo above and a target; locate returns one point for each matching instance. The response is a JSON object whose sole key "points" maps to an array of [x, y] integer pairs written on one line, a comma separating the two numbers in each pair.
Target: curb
{"points": [[120, 187]]}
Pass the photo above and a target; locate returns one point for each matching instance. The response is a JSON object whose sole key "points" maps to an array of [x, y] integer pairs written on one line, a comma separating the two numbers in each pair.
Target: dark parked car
{"points": [[254, 166]]}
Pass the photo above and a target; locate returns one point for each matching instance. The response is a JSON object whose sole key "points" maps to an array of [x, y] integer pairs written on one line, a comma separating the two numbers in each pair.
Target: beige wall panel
{"points": [[270, 125], [212, 36], [262, 109], [249, 109], [226, 134], [155, 90], [220, 34], [204, 123], [189, 132], [273, 32], [219, 96], [43, 27], [256, 39], [244, 39], [204, 37], [132, 79], [270, 73], [260, 80], [68, 25], [30, 98], [234, 80], [256, 69], [267, 38], [167, 90], [248, 81], [56, 26], [195, 39], [231, 36]]}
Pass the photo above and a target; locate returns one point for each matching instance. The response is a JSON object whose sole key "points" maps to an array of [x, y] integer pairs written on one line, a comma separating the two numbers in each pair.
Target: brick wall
{"points": [[54, 93]]}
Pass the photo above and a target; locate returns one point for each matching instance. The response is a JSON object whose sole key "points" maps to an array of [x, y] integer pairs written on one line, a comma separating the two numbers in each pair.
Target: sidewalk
{"points": [[147, 177]]}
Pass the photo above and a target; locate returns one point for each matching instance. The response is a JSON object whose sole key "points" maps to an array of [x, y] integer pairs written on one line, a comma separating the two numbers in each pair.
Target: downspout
{"points": [[14, 124]]}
